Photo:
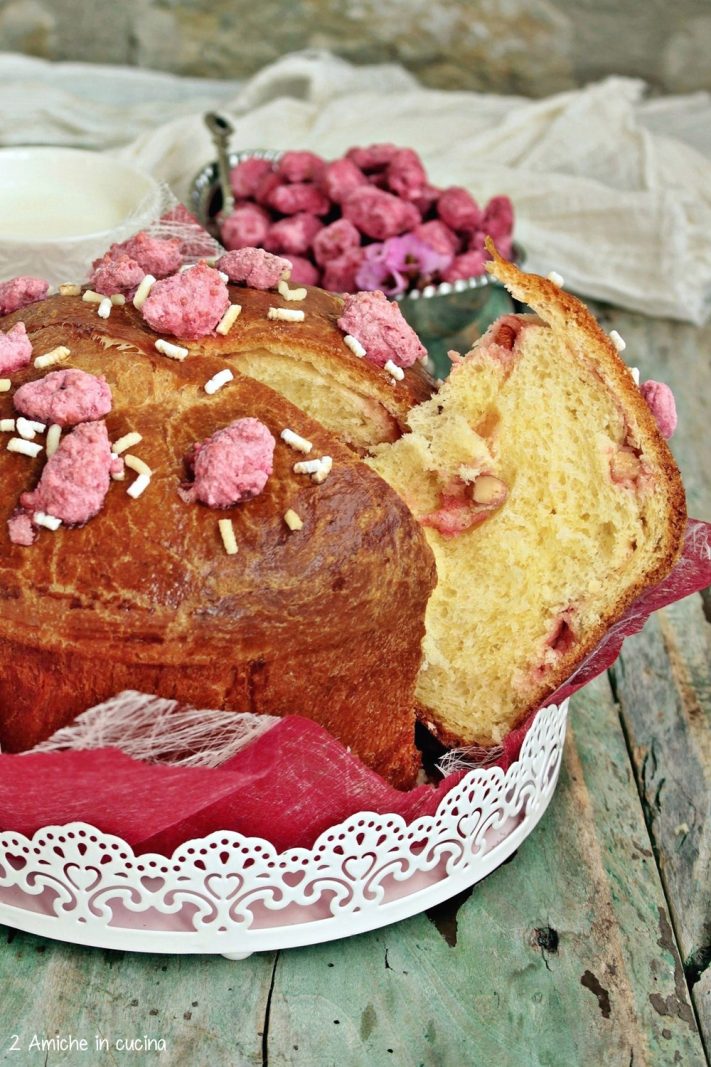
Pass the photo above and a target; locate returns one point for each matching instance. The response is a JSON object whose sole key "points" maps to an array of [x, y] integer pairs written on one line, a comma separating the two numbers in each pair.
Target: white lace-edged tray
{"points": [[236, 895]]}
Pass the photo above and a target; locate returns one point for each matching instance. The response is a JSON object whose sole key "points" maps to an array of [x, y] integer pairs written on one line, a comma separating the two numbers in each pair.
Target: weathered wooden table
{"points": [[590, 947]]}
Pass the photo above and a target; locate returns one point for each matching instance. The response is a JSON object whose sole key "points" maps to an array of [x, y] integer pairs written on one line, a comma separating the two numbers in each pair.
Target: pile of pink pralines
{"points": [[370, 220]]}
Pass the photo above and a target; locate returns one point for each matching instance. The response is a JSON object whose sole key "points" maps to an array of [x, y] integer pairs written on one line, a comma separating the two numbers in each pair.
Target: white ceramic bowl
{"points": [[60, 208]]}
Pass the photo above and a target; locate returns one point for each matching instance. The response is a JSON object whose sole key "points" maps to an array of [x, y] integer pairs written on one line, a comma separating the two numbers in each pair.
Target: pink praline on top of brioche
{"points": [[380, 327], [189, 304], [65, 397], [76, 479], [661, 402], [19, 292], [254, 267], [232, 465], [15, 349]]}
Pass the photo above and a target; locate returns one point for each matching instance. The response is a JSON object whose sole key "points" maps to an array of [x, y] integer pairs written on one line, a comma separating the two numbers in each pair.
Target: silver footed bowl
{"points": [[451, 315]]}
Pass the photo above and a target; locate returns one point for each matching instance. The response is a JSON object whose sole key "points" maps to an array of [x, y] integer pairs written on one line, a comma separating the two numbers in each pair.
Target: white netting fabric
{"points": [[156, 730]]}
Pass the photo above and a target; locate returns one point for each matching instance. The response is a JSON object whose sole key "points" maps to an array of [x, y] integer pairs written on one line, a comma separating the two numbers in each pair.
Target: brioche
{"points": [[550, 501], [467, 550], [324, 621]]}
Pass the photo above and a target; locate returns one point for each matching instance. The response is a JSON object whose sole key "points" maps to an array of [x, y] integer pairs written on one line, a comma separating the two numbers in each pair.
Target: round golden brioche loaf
{"points": [[325, 621]]}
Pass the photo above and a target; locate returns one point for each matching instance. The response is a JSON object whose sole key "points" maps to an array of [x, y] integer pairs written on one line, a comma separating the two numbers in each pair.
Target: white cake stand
{"points": [[236, 895]]}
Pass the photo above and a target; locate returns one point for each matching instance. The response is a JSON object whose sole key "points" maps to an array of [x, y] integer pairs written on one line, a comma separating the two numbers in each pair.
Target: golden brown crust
{"points": [[325, 622]]}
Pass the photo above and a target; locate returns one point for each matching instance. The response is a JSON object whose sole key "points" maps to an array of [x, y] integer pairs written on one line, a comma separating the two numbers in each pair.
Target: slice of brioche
{"points": [[550, 501]]}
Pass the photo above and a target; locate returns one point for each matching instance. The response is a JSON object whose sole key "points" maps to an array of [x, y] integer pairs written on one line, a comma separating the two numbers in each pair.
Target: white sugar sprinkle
{"points": [[138, 486], [28, 428], [324, 470], [135, 463], [355, 346], [56, 355], [292, 520], [634, 371], [117, 299], [54, 434], [307, 466], [50, 522], [286, 314], [218, 380], [170, 350], [105, 308], [69, 289], [392, 368], [619, 342], [291, 294], [225, 277], [227, 533], [127, 441], [7, 425], [556, 278], [5, 385], [294, 440], [90, 297], [25, 448], [143, 290], [228, 319]]}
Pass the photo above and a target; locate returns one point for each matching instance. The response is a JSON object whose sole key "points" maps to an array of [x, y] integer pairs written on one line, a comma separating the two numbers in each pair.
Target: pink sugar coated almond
{"points": [[65, 397], [21, 291], [159, 256], [293, 235], [406, 175], [497, 220], [425, 200], [372, 157], [76, 479], [300, 196], [116, 273], [340, 178], [438, 236], [233, 464], [266, 186], [334, 240], [459, 210], [468, 265], [661, 401], [15, 349], [254, 267], [303, 272], [379, 214], [189, 304], [300, 167], [339, 274], [380, 327], [246, 227], [245, 177]]}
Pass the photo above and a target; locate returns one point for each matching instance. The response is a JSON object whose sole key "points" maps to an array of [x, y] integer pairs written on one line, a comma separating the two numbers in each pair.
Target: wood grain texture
{"points": [[553, 960], [663, 676], [208, 1009]]}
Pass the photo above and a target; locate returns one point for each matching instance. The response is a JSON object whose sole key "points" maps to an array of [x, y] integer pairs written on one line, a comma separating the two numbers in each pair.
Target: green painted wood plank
{"points": [[663, 683], [562, 956], [207, 1009], [663, 677]]}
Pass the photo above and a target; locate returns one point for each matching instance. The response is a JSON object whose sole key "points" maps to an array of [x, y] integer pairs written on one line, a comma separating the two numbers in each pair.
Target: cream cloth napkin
{"points": [[611, 190]]}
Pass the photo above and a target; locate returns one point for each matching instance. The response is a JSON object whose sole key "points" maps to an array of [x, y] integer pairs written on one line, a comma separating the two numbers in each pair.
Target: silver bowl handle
{"points": [[221, 130]]}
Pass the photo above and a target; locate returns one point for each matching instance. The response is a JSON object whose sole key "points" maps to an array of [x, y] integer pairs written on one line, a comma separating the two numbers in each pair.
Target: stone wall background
{"points": [[533, 47]]}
